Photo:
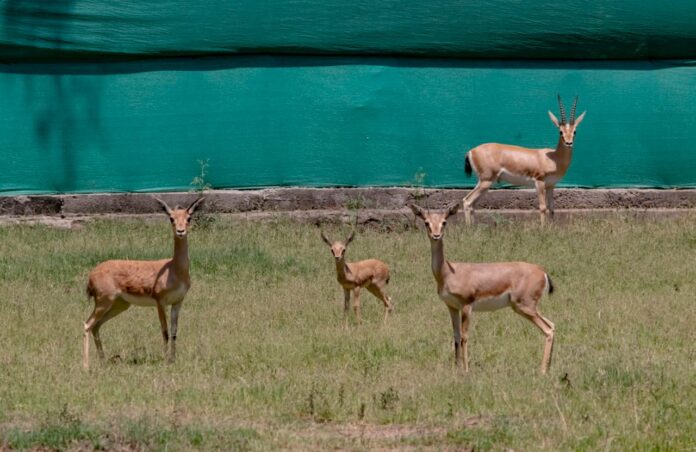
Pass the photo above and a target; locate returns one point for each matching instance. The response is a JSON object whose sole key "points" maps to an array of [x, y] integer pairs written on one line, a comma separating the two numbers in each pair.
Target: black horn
{"points": [[562, 108], [572, 111]]}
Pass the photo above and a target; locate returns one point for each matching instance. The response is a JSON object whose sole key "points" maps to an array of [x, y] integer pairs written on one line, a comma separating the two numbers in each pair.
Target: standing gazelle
{"points": [[541, 168], [115, 285], [484, 287], [372, 274]]}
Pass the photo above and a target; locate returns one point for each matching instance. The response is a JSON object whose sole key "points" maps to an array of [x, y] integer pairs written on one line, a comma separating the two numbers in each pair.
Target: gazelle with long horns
{"points": [[115, 285], [466, 287], [540, 168], [372, 274]]}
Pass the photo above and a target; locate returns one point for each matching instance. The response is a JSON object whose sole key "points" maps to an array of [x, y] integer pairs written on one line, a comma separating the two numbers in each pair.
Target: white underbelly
{"points": [[173, 297], [491, 304], [137, 300], [515, 179]]}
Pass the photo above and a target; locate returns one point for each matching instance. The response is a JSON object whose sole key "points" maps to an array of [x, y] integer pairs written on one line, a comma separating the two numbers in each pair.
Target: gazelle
{"points": [[484, 287], [540, 168], [115, 285], [372, 274]]}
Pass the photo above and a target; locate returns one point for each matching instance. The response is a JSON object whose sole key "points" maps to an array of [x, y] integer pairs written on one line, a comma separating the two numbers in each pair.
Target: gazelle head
{"points": [[435, 221], [338, 249], [180, 217], [567, 128]]}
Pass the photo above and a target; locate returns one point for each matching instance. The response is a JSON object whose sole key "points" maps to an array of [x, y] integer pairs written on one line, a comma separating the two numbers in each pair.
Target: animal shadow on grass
{"points": [[140, 356]]}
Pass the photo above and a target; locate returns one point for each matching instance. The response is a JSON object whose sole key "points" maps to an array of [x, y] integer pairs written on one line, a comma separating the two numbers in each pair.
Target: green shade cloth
{"points": [[333, 121]]}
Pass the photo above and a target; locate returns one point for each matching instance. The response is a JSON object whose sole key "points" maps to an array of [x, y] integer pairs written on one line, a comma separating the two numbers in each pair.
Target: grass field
{"points": [[265, 361]]}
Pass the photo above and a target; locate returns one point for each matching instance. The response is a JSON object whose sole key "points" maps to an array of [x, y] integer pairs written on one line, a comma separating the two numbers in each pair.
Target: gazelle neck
{"points": [[341, 268], [562, 156], [181, 257], [437, 261], [562, 147]]}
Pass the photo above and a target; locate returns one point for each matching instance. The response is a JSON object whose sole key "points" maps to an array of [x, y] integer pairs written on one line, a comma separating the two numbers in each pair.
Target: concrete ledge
{"points": [[315, 199]]}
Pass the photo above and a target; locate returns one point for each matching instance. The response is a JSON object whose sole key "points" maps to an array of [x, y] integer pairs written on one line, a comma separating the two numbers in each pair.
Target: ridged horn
{"points": [[572, 110], [562, 108]]}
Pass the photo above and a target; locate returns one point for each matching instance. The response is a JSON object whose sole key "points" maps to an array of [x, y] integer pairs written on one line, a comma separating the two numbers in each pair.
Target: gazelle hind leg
{"points": [[101, 307], [546, 326], [469, 201], [117, 308], [379, 293]]}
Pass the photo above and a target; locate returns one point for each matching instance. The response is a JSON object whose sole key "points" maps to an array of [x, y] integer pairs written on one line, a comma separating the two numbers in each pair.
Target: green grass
{"points": [[265, 362]]}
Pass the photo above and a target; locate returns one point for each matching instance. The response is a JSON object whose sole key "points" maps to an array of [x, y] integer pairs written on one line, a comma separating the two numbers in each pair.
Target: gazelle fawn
{"points": [[371, 274], [115, 285], [468, 287], [540, 168]]}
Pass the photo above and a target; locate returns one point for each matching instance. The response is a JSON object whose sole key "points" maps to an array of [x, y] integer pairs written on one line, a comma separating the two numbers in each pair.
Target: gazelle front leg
{"points": [[356, 303], [469, 201], [549, 200], [541, 193], [163, 325], [457, 329], [466, 316], [346, 304], [174, 321]]}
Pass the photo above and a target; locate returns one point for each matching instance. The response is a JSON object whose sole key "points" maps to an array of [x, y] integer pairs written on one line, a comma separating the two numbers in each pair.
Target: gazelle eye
{"points": [[444, 222], [427, 223], [171, 220]]}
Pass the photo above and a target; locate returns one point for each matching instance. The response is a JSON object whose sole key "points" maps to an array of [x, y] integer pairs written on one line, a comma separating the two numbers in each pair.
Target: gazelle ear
{"points": [[324, 238], [451, 210], [164, 205], [192, 208], [417, 211], [580, 118], [350, 237], [554, 120]]}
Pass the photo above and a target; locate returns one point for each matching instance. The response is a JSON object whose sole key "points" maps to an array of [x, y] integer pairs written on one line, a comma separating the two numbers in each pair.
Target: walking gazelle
{"points": [[468, 287], [115, 285], [540, 168]]}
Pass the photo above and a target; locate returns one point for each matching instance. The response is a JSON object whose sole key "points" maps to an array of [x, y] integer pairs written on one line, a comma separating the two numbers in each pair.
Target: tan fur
{"points": [[461, 285], [371, 274], [540, 168], [140, 278], [115, 285]]}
